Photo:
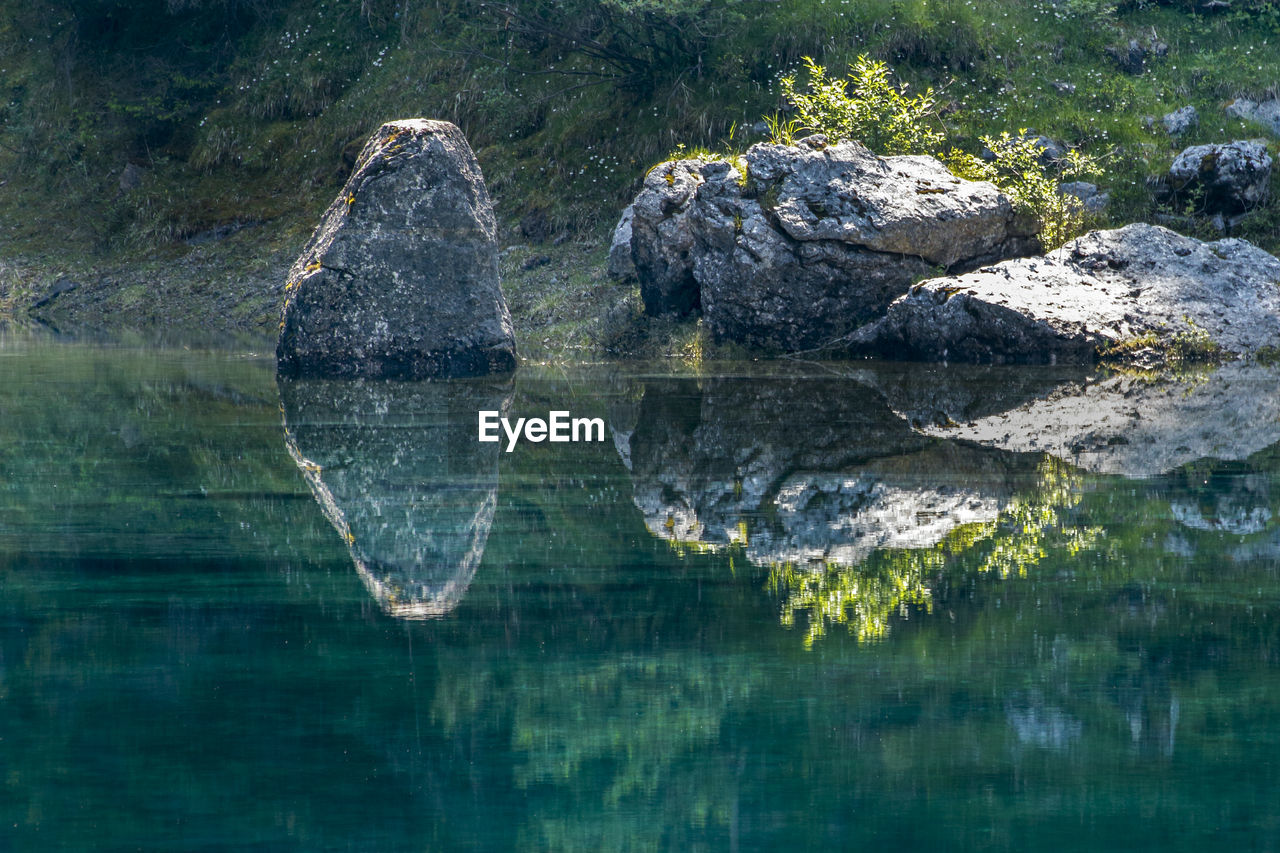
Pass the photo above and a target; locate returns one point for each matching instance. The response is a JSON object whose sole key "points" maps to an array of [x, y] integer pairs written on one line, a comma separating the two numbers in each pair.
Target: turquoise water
{"points": [[796, 607]]}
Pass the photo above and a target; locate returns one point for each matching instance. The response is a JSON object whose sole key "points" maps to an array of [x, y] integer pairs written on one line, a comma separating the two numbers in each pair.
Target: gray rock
{"points": [[1137, 427], [793, 247], [1130, 57], [61, 286], [1097, 291], [1180, 120], [621, 266], [398, 472], [1051, 151], [662, 237], [1265, 113], [131, 177], [1093, 200], [1233, 177], [905, 205], [400, 279]]}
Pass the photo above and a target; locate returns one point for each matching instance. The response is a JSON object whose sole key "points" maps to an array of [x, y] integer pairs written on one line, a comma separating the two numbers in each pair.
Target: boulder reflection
{"points": [[397, 470], [866, 495], [850, 509], [1133, 425], [801, 471]]}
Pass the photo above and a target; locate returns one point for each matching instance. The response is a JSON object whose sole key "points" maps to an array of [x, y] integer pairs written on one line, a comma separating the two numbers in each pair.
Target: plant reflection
{"points": [[865, 596]]}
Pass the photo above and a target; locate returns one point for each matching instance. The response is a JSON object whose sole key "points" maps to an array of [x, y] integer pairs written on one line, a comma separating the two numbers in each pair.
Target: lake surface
{"points": [[795, 607]]}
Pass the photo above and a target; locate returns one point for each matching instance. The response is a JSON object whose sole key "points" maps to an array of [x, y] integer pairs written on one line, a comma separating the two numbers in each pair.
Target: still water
{"points": [[808, 606]]}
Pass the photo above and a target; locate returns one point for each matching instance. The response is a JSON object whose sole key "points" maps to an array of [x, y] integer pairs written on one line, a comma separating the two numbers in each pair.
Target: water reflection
{"points": [[850, 509], [858, 494], [187, 651], [803, 472], [1131, 425], [397, 470]]}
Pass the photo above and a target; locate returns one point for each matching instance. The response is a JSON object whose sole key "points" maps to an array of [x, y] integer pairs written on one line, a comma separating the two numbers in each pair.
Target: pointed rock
{"points": [[400, 279]]}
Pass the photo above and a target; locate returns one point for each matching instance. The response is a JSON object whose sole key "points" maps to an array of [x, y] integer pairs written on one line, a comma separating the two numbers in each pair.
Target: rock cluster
{"points": [[817, 248], [792, 247], [400, 279]]}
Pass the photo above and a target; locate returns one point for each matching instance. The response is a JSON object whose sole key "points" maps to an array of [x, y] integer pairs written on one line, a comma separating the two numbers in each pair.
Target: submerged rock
{"points": [[1140, 292], [791, 248], [398, 472], [400, 279]]}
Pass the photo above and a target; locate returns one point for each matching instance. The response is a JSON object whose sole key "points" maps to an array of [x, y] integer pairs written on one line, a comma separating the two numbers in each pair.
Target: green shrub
{"points": [[1019, 169], [865, 106]]}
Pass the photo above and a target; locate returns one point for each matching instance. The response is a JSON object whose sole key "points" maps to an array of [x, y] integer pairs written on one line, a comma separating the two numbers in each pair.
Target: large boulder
{"points": [[400, 279], [791, 248], [1229, 178], [1138, 292]]}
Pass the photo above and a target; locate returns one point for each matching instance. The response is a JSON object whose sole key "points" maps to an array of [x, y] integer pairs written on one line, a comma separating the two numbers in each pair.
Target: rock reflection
{"points": [[1132, 425], [397, 470], [813, 471], [822, 483], [1036, 722]]}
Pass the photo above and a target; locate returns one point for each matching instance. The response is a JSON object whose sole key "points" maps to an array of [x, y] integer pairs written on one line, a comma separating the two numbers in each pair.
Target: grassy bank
{"points": [[170, 157]]}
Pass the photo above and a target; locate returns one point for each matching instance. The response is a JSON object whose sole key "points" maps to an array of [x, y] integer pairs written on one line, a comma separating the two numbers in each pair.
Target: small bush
{"points": [[865, 106], [1019, 169]]}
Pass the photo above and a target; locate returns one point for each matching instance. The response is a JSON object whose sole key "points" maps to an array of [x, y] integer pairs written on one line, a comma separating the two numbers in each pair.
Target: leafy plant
{"points": [[782, 131], [865, 106], [1019, 168]]}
